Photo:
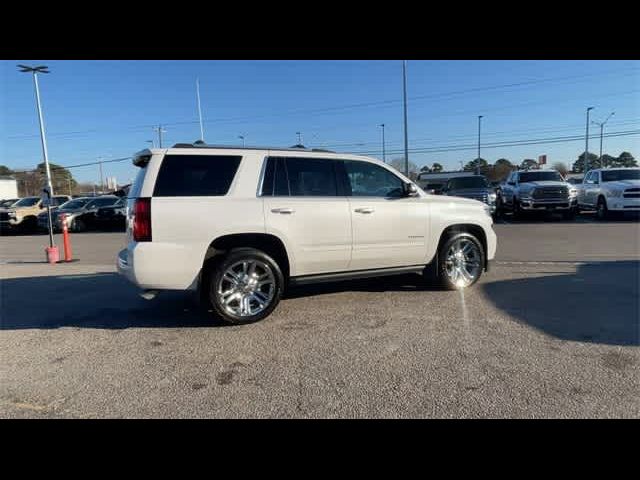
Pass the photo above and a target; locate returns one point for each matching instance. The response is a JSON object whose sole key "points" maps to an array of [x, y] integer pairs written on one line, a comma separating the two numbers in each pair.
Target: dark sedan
{"points": [[79, 213], [111, 217]]}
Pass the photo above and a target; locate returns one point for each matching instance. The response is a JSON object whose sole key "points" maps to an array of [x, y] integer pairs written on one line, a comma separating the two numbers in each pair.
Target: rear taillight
{"points": [[142, 220]]}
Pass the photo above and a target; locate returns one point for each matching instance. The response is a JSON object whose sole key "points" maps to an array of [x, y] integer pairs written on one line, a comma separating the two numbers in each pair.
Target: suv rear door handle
{"points": [[285, 211], [365, 210]]}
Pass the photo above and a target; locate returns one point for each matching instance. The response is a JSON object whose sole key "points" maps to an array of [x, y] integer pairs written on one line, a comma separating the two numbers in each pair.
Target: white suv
{"points": [[241, 224]]}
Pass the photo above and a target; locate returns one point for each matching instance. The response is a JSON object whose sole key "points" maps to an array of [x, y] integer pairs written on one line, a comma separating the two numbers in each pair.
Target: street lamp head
{"points": [[480, 116], [590, 108], [38, 69]]}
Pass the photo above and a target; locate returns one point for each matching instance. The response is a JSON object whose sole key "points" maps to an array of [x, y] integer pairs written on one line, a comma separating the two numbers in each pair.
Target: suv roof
{"points": [[613, 168]]}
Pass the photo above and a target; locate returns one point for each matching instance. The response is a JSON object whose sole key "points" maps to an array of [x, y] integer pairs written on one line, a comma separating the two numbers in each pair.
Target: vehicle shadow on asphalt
{"points": [[101, 300], [597, 304], [105, 301]]}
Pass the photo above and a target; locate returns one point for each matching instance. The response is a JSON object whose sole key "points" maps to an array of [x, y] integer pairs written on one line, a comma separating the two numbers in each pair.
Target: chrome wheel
{"points": [[463, 262], [246, 288]]}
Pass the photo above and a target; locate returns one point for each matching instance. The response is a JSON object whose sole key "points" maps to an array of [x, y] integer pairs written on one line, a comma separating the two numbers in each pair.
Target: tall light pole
{"points": [[406, 134], [384, 154], [199, 109], [586, 144], [478, 160], [299, 138], [242, 138], [34, 71], [601, 133]]}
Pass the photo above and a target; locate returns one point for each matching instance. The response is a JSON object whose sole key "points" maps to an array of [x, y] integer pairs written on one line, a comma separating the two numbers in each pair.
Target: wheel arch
{"points": [[472, 228], [268, 243]]}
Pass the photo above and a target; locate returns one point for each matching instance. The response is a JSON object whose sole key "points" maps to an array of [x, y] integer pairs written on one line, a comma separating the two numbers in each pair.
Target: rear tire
{"points": [[244, 287], [460, 262]]}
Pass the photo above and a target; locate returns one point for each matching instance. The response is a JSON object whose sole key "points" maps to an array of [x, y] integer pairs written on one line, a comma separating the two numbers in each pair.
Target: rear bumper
{"points": [[159, 266]]}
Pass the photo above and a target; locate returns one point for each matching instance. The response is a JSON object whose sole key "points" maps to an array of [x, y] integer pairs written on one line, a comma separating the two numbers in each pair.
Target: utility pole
{"points": [[478, 161], [384, 156], [406, 134], [160, 131], [199, 109], [601, 124], [101, 177], [586, 146], [34, 71], [299, 138]]}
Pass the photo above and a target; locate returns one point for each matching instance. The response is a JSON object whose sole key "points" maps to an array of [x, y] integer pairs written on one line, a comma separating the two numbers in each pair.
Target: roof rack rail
{"points": [[295, 148]]}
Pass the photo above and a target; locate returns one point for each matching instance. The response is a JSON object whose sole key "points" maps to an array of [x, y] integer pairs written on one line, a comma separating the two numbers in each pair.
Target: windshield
{"points": [[27, 202], [539, 176], [74, 204], [467, 182], [615, 175]]}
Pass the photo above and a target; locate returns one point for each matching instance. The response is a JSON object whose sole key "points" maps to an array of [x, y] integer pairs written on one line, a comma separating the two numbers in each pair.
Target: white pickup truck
{"points": [[608, 190]]}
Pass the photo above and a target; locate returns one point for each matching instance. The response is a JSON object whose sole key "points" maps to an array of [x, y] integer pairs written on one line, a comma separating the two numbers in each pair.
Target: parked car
{"points": [[23, 214], [8, 202], [475, 187], [609, 190], [537, 190], [79, 213], [112, 216], [243, 224]]}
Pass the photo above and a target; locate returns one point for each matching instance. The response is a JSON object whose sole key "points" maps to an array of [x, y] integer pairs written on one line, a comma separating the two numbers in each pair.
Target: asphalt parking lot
{"points": [[552, 331]]}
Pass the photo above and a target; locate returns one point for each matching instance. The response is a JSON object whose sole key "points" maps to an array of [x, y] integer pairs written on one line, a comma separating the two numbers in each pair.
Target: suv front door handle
{"points": [[365, 210], [284, 211]]}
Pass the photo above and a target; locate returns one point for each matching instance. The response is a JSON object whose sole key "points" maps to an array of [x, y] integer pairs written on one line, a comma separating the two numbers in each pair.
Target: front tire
{"points": [[602, 212], [517, 212], [245, 286], [569, 215], [78, 225], [460, 261]]}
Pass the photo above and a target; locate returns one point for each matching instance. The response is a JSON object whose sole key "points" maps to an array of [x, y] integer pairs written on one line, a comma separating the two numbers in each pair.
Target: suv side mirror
{"points": [[410, 190]]}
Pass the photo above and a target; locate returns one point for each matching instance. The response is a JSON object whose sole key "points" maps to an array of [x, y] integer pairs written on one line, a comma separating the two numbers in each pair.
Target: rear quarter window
{"points": [[196, 175]]}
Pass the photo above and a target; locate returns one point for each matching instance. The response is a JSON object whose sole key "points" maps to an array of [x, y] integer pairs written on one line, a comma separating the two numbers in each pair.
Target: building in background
{"points": [[8, 188]]}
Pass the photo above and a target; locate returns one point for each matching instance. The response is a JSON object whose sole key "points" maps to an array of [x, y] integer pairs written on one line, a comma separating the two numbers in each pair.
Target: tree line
{"points": [[31, 182], [499, 170]]}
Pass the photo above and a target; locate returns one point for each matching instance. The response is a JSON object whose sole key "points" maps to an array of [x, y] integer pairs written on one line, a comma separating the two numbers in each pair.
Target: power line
{"points": [[453, 148], [358, 105]]}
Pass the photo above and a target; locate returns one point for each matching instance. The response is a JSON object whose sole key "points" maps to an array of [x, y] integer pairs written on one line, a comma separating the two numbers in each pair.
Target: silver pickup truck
{"points": [[537, 191]]}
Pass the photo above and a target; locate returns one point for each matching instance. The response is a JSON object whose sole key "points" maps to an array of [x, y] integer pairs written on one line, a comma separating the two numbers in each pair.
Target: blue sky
{"points": [[107, 108]]}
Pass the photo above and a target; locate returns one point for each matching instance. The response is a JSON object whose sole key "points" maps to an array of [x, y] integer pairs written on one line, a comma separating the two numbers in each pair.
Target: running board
{"points": [[353, 275]]}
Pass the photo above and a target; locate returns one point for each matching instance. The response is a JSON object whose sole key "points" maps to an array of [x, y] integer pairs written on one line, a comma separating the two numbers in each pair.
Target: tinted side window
{"points": [[196, 175], [370, 180], [310, 177]]}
